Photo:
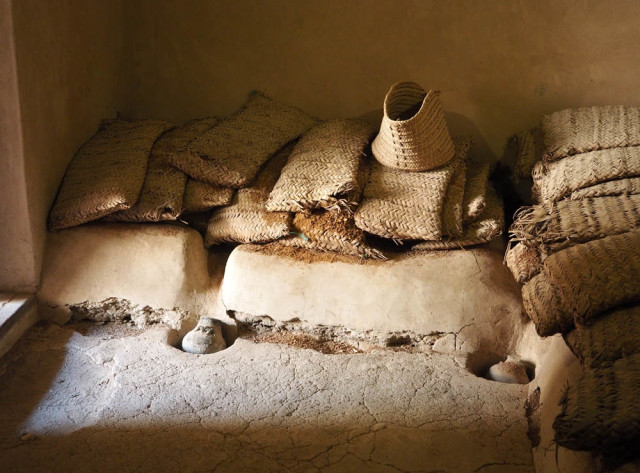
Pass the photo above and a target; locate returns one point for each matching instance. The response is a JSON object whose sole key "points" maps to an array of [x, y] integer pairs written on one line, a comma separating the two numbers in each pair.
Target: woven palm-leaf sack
{"points": [[408, 205], [524, 261], [610, 337], [602, 410], [107, 172], [330, 231], [413, 134], [487, 227], [246, 219], [475, 191], [162, 193], [452, 206], [528, 152], [626, 186], [323, 168], [200, 196], [545, 306], [580, 130], [557, 180], [231, 153]]}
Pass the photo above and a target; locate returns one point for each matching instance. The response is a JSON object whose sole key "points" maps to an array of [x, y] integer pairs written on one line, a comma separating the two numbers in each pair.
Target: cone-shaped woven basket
{"points": [[413, 134]]}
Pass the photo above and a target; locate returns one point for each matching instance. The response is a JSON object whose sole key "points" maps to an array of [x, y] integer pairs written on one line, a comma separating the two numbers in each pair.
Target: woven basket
{"points": [[322, 171], [246, 219], [413, 134], [107, 172], [575, 131], [453, 202], [597, 276], [403, 205], [486, 228], [528, 152], [569, 222], [232, 153], [545, 306], [524, 261], [557, 180], [612, 336], [200, 196], [628, 186], [600, 412], [162, 194], [330, 231], [475, 191]]}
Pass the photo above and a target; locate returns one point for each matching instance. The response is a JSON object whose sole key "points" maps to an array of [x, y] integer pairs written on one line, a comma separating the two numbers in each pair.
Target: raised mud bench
{"points": [[466, 297]]}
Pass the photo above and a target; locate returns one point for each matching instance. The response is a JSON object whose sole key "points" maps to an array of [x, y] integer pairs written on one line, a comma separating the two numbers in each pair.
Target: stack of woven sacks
{"points": [[577, 253]]}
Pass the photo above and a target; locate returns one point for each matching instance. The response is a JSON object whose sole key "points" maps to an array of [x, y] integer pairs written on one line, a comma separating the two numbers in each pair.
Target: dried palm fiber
{"points": [[231, 153], [602, 410], [567, 222], [200, 196], [608, 338], [322, 171], [524, 261], [559, 179], [626, 186], [483, 230], [545, 306], [413, 134], [107, 172], [579, 130], [330, 231], [475, 190], [528, 152], [407, 205], [246, 219], [162, 193], [453, 201]]}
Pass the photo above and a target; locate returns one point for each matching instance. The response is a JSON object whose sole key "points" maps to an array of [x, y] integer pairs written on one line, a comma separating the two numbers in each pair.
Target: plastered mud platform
{"points": [[109, 398]]}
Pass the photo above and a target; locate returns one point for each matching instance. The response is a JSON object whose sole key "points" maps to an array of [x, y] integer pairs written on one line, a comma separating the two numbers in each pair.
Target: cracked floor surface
{"points": [[112, 398]]}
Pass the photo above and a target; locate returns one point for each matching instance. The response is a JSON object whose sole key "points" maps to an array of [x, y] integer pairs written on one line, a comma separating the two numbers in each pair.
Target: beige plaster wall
{"points": [[500, 64], [70, 74]]}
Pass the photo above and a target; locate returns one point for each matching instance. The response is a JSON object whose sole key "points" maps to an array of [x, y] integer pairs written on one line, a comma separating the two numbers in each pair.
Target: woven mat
{"points": [[601, 410], [627, 186], [475, 191], [407, 205], [246, 219], [330, 231], [568, 222], [485, 229], [323, 168], [524, 261], [545, 306], [528, 152], [200, 196], [610, 337], [232, 153], [597, 276], [107, 172], [556, 180], [575, 131]]}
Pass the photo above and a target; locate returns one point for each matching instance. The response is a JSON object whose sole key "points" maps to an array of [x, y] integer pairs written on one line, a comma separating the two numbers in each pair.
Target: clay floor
{"points": [[117, 398]]}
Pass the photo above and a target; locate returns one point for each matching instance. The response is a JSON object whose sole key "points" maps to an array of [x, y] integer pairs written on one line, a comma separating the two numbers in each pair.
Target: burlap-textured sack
{"points": [[200, 196], [231, 153], [107, 172], [528, 152], [475, 191], [559, 179], [597, 276], [524, 261], [608, 338], [246, 219], [162, 194], [407, 205], [628, 186], [483, 230], [323, 168], [575, 131], [568, 222], [332, 231], [413, 135], [545, 306], [600, 412]]}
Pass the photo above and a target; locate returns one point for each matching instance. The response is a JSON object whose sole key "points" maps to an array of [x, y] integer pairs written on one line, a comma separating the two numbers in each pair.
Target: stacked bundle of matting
{"points": [[577, 254]]}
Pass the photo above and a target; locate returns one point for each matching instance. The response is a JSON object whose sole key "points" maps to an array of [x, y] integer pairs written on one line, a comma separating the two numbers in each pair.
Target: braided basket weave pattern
{"points": [[628, 186]]}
